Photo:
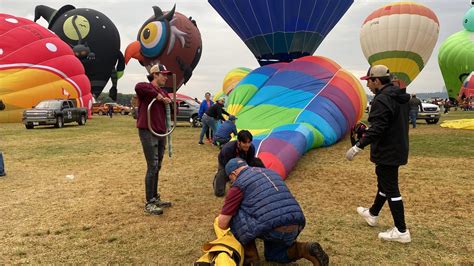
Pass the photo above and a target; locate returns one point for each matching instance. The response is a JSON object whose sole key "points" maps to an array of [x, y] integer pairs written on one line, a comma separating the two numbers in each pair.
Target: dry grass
{"points": [[98, 216]]}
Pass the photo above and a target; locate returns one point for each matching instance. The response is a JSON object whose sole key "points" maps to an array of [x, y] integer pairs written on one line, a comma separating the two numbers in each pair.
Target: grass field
{"points": [[97, 216]]}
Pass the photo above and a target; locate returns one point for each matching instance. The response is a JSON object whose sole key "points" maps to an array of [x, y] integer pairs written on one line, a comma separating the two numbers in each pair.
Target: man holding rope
{"points": [[153, 146]]}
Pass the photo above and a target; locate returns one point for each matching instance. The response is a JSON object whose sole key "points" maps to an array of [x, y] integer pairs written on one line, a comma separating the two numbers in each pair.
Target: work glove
{"points": [[352, 152]]}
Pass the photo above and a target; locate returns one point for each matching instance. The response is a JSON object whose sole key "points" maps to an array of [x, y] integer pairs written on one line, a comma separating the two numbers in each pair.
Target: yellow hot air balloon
{"points": [[231, 79], [401, 36]]}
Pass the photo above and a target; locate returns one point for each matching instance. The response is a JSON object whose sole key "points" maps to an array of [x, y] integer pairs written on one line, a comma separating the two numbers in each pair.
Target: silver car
{"points": [[188, 111]]}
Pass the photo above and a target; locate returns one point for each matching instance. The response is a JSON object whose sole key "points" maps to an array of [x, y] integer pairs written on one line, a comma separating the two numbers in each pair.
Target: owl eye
{"points": [[153, 38]]}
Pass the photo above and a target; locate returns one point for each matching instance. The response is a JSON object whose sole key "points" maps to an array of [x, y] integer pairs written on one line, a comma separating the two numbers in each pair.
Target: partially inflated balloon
{"points": [[36, 65], [401, 36], [231, 79], [294, 107], [456, 56], [281, 30], [467, 89]]}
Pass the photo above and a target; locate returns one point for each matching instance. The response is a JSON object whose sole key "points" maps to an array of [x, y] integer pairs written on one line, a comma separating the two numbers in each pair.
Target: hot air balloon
{"points": [[467, 89], [171, 39], [400, 36], [279, 30], [291, 108], [36, 65], [456, 56], [231, 79], [94, 39]]}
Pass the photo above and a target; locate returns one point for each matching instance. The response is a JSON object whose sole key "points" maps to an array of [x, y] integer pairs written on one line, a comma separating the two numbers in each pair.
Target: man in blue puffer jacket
{"points": [[260, 205]]}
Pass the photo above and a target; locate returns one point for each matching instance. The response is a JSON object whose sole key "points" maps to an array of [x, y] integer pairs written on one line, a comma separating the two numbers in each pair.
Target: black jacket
{"points": [[415, 104], [388, 130], [230, 151], [216, 112]]}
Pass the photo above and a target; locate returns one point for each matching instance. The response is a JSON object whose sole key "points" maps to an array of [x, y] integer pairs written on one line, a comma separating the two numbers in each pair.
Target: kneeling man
{"points": [[259, 205]]}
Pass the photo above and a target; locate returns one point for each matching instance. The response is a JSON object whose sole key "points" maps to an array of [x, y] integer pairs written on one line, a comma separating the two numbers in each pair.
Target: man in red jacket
{"points": [[153, 146]]}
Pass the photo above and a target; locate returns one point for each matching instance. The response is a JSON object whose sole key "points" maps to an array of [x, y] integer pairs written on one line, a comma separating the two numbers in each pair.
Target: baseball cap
{"points": [[377, 71], [234, 164], [160, 68], [232, 117]]}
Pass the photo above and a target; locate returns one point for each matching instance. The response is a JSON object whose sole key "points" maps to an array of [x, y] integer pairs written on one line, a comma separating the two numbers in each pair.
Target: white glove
{"points": [[352, 152]]}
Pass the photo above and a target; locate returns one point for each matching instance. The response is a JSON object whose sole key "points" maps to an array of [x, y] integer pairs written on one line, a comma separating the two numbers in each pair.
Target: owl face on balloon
{"points": [[168, 38]]}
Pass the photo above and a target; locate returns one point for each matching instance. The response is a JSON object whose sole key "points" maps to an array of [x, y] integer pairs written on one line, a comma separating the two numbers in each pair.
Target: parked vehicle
{"points": [[103, 108], [188, 111], [430, 113], [55, 112]]}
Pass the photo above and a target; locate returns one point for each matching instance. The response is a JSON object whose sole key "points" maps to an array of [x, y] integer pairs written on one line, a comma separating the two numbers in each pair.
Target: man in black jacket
{"points": [[242, 148], [211, 117], [415, 107], [388, 137]]}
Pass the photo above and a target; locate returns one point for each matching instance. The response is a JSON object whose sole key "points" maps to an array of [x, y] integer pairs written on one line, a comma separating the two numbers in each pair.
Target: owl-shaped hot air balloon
{"points": [[94, 39], [401, 36], [36, 65], [456, 56], [169, 38]]}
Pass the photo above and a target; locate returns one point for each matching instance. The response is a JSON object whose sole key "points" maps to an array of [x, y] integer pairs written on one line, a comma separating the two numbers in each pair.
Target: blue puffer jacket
{"points": [[267, 204]]}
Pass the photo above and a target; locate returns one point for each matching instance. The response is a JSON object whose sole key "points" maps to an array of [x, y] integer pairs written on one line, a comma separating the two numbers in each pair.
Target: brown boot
{"points": [[311, 251], [251, 254]]}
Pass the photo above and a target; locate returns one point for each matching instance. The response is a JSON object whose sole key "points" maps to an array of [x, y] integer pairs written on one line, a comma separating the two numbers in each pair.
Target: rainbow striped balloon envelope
{"points": [[291, 108], [231, 79], [401, 36]]}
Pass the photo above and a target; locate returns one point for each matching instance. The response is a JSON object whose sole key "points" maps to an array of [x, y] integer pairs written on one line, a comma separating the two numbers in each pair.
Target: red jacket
{"points": [[146, 92]]}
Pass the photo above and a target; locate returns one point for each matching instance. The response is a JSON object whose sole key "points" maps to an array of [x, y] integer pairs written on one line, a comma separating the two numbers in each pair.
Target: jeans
{"points": [[154, 149], [276, 245], [413, 114], [207, 122], [2, 166]]}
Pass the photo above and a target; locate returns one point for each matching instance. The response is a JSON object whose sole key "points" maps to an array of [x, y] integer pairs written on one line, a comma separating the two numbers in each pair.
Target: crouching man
{"points": [[259, 205]]}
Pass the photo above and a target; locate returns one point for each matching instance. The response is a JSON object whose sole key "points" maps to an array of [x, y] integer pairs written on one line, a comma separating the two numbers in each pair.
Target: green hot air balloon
{"points": [[456, 56]]}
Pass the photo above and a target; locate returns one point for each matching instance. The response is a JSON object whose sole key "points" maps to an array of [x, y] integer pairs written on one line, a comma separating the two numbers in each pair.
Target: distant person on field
{"points": [[447, 105], [111, 110], [205, 105], [153, 146], [211, 116], [415, 107], [260, 205], [242, 148], [225, 131], [2, 166], [387, 136]]}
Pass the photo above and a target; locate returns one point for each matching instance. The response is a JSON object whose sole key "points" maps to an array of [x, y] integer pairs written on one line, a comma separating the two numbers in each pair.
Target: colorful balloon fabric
{"points": [[36, 65], [171, 39], [467, 89], [231, 79], [94, 39], [279, 30], [291, 108], [459, 124], [391, 36], [456, 56]]}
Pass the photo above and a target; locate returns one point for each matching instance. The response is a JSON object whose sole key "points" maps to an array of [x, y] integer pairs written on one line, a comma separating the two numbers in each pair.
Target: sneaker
{"points": [[201, 143], [369, 218], [151, 208], [160, 203], [395, 235]]}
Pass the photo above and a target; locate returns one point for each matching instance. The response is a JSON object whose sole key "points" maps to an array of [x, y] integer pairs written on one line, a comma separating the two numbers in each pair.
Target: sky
{"points": [[223, 50]]}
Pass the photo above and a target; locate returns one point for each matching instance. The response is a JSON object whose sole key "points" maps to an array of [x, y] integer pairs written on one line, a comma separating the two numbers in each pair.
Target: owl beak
{"points": [[133, 51]]}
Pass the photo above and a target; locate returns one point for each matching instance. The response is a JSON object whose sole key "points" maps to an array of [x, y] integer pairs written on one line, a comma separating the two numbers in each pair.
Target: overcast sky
{"points": [[223, 50]]}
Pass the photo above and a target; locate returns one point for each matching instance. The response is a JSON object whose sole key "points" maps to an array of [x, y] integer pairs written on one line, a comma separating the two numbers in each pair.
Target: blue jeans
{"points": [[276, 245], [413, 114], [2, 167], [207, 122]]}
